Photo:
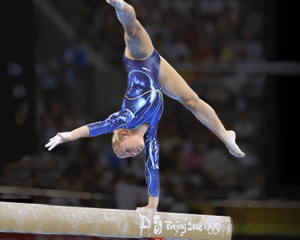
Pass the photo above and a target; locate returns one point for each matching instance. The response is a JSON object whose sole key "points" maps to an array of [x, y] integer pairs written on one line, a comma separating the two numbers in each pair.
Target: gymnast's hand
{"points": [[58, 139], [151, 206], [146, 208]]}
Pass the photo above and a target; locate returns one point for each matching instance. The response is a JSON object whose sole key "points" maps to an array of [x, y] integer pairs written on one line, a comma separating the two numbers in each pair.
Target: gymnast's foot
{"points": [[118, 4], [232, 146]]}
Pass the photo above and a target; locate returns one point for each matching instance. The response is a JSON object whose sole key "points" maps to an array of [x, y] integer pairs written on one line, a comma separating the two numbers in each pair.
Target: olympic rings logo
{"points": [[212, 227]]}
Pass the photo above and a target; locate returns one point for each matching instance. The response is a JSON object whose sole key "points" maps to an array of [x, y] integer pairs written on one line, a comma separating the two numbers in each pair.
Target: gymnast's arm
{"points": [[63, 137], [152, 173], [114, 121]]}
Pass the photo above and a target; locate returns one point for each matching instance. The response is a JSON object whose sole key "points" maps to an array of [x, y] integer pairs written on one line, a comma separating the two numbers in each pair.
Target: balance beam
{"points": [[66, 220]]}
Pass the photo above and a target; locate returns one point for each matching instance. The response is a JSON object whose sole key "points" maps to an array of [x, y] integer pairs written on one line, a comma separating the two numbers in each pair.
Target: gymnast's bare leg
{"points": [[175, 87]]}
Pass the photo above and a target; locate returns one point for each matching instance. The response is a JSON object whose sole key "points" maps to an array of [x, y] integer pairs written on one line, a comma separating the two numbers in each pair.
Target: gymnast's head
{"points": [[127, 143]]}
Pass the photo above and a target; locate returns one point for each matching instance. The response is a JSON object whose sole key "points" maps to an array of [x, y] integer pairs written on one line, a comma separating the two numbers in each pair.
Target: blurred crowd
{"points": [[194, 165]]}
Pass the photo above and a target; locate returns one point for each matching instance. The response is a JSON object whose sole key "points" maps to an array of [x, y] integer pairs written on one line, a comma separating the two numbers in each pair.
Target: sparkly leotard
{"points": [[143, 103]]}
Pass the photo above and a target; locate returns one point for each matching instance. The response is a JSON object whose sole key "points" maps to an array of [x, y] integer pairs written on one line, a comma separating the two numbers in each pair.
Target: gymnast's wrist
{"points": [[153, 202]]}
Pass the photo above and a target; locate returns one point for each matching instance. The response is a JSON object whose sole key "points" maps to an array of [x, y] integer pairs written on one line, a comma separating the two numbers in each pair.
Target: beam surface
{"points": [[51, 219]]}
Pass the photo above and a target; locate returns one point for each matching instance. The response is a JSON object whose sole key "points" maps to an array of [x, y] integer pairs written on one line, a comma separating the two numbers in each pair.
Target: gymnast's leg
{"points": [[176, 87], [138, 43]]}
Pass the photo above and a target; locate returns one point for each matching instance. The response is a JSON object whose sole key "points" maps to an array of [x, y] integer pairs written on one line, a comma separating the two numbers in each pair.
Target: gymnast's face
{"points": [[130, 145]]}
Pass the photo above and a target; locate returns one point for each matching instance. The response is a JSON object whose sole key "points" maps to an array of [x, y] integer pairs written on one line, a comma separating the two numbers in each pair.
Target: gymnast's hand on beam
{"points": [[151, 206], [58, 139], [146, 208]]}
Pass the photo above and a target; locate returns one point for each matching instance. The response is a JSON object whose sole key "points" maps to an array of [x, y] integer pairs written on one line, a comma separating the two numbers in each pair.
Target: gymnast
{"points": [[134, 126]]}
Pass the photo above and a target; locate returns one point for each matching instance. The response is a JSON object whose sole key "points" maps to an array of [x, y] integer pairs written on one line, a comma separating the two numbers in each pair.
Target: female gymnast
{"points": [[134, 126]]}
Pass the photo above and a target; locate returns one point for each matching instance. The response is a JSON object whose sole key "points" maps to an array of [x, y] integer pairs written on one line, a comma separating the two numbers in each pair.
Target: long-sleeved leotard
{"points": [[142, 104]]}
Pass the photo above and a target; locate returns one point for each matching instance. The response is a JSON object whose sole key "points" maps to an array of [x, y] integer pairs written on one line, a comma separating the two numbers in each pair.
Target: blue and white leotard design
{"points": [[142, 103]]}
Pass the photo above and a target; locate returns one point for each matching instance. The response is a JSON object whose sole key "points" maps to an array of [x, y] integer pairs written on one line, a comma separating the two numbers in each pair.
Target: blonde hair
{"points": [[116, 138]]}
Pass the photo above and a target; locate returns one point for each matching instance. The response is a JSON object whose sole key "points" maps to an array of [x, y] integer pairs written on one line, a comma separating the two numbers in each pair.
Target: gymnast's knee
{"points": [[190, 101]]}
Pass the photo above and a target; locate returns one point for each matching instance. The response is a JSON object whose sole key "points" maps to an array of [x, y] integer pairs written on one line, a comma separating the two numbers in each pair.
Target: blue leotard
{"points": [[143, 103]]}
